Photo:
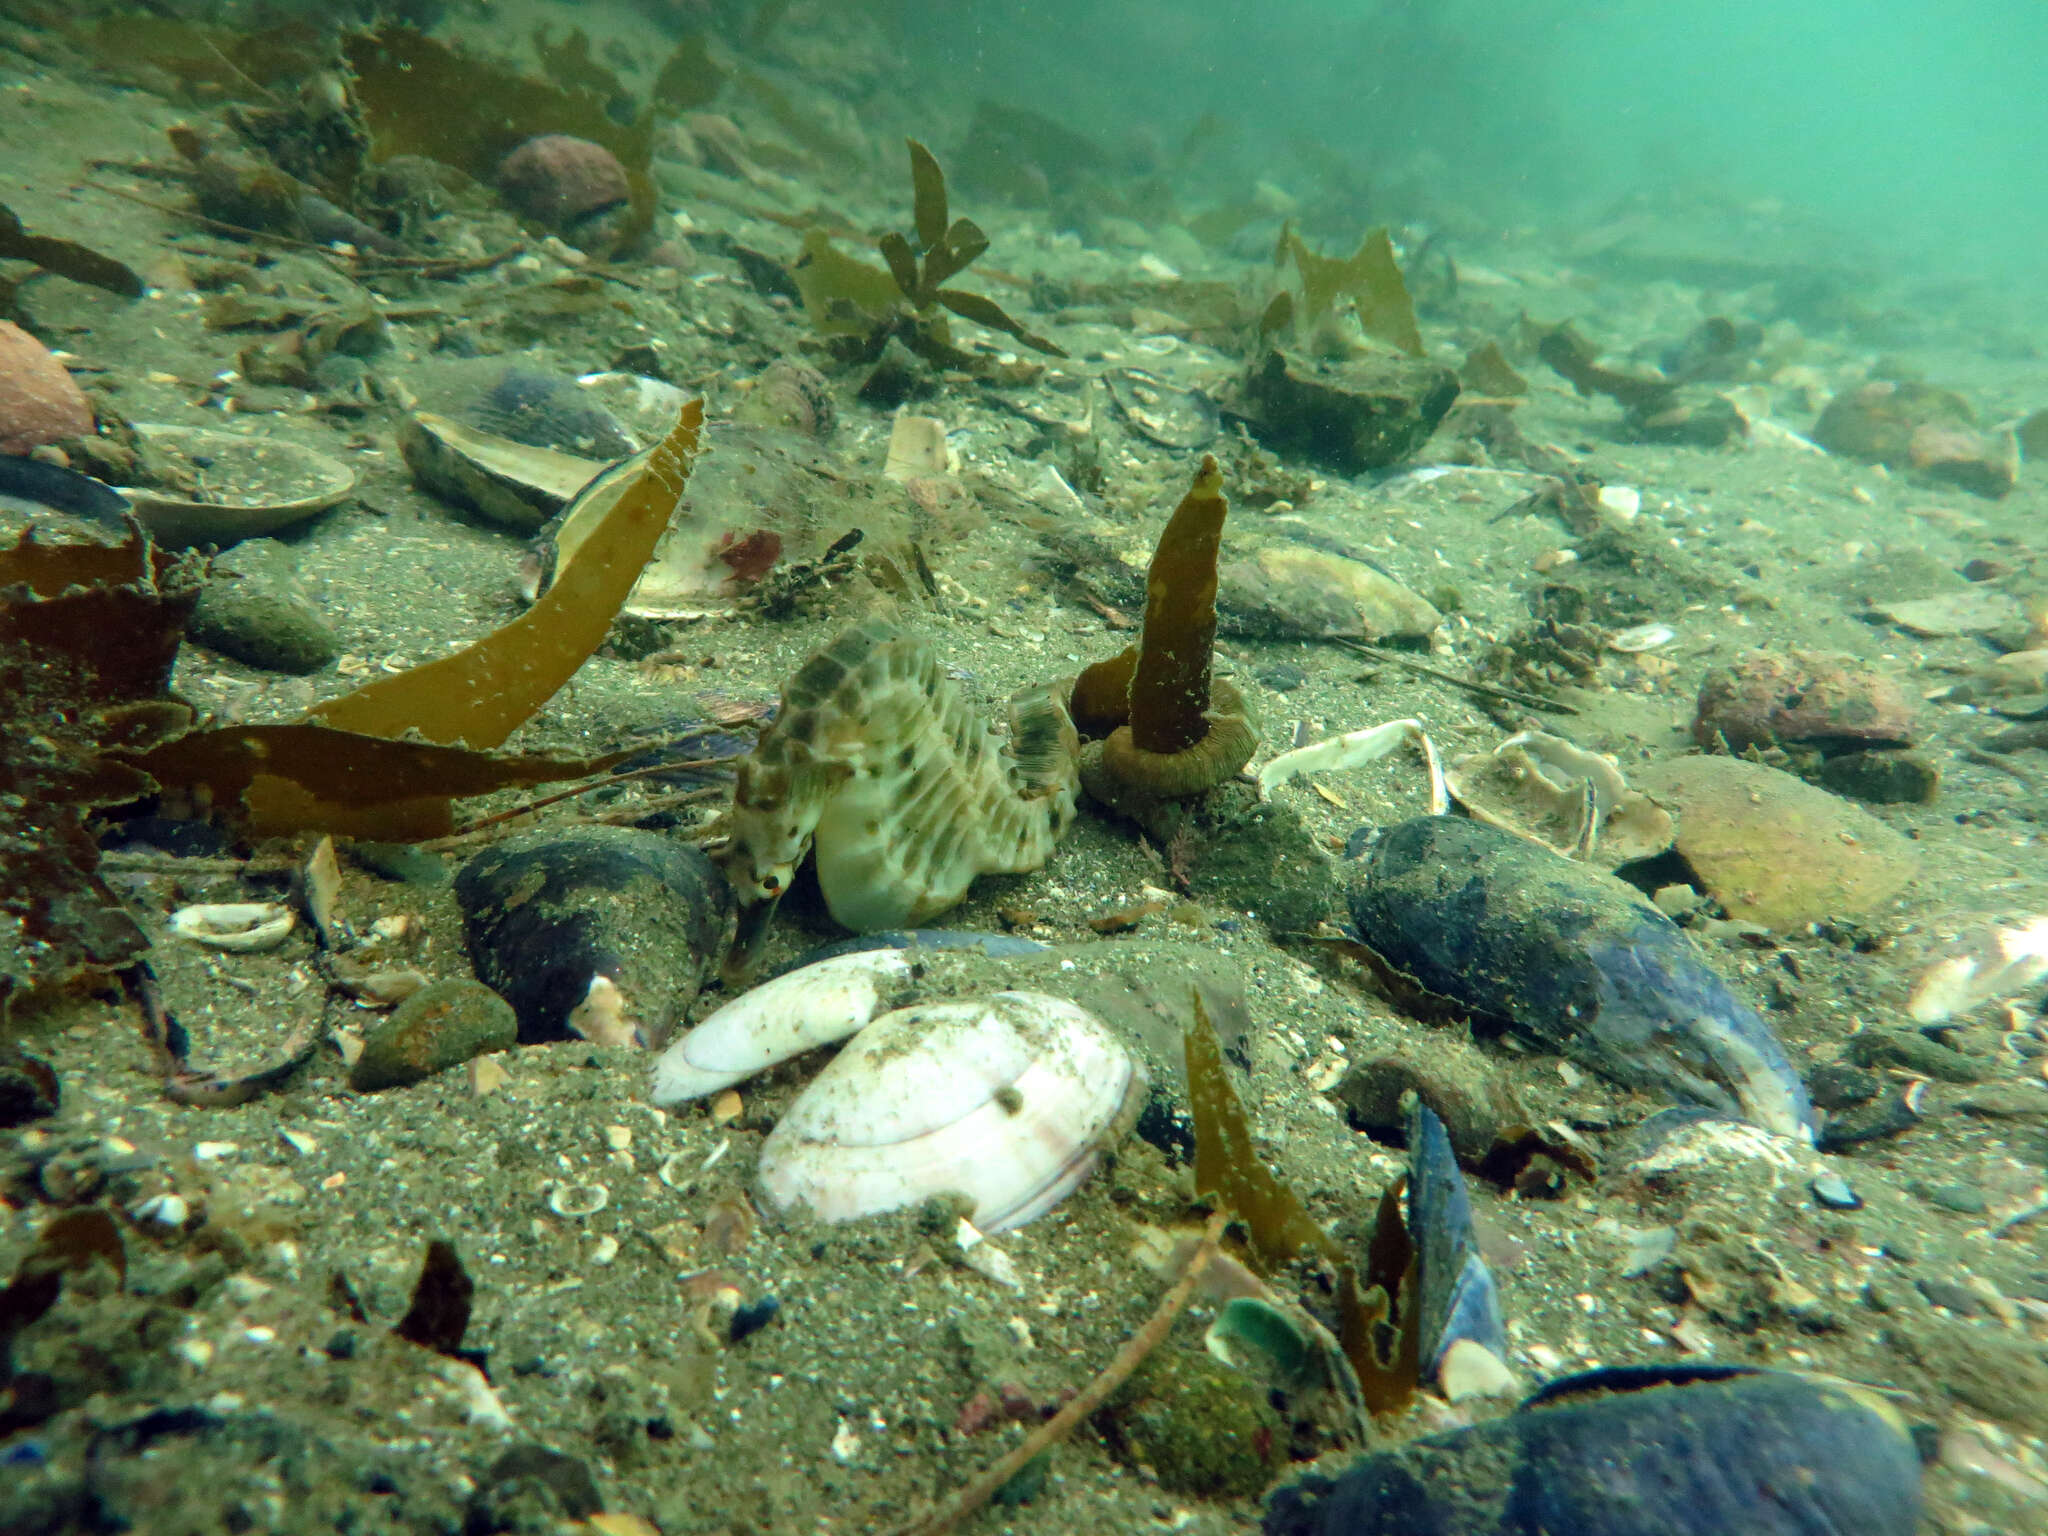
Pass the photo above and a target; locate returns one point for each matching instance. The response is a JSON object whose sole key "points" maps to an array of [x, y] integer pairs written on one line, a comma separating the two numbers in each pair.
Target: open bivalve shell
{"points": [[1572, 801], [248, 484], [1008, 1101]]}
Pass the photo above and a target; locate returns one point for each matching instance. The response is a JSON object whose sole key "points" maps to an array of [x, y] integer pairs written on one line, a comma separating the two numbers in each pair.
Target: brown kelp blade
{"points": [[1228, 1168], [1170, 691], [928, 196], [983, 311], [481, 694]]}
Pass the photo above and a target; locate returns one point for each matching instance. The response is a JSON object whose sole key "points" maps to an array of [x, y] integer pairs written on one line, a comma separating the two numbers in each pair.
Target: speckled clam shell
{"points": [[1008, 1101], [776, 1021]]}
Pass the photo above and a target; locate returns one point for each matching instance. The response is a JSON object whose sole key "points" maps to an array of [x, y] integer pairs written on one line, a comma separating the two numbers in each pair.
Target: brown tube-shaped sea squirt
{"points": [[1172, 730]]}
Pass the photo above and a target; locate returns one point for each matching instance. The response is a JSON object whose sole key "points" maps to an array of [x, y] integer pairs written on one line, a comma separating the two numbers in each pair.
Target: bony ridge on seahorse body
{"points": [[879, 766]]}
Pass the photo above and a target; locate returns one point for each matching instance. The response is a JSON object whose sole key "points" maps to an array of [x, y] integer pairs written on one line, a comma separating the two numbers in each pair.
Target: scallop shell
{"points": [[1008, 1101], [1570, 800], [798, 1011], [250, 485]]}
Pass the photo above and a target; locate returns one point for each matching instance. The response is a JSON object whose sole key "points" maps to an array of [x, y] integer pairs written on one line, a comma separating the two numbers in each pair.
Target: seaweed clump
{"points": [[868, 307], [1167, 728]]}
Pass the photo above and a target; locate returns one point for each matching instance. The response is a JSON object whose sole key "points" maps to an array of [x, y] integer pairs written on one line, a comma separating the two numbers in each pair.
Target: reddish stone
{"points": [[39, 402], [1976, 461], [1801, 699], [563, 182]]}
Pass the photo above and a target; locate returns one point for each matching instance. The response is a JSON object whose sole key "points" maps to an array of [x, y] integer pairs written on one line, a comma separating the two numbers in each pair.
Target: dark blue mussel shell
{"points": [[1682, 1451], [545, 914], [1573, 959], [1459, 1299]]}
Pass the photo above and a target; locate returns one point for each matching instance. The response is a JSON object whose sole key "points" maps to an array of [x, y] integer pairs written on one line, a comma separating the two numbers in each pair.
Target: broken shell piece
{"points": [[796, 1012], [1008, 1101], [1353, 750], [577, 1200], [1986, 963], [1165, 413], [917, 448], [246, 485], [242, 926], [1641, 637], [1570, 800]]}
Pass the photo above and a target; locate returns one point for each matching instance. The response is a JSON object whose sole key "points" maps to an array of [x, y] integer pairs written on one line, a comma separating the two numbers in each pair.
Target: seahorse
{"points": [[880, 767]]}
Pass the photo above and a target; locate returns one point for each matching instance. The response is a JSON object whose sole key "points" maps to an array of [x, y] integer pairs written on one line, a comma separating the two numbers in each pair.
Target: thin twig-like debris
{"points": [[1091, 1397]]}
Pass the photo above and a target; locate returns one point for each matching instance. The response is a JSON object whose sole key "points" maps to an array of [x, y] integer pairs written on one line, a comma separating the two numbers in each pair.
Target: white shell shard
{"points": [[1007, 1100], [780, 1019], [1989, 962], [242, 926]]}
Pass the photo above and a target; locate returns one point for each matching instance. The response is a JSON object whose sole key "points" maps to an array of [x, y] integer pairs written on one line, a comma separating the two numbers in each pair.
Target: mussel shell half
{"points": [[545, 914], [1459, 1299], [1573, 958], [1645, 1452], [1007, 1100]]}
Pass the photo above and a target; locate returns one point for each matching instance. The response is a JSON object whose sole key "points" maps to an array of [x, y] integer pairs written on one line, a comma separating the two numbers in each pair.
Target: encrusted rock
{"points": [[1765, 699], [438, 1027], [574, 187], [1876, 422], [1353, 416]]}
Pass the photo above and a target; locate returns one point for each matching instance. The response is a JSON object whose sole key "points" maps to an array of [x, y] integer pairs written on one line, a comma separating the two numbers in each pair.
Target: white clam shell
{"points": [[243, 926], [780, 1019], [1007, 1100]]}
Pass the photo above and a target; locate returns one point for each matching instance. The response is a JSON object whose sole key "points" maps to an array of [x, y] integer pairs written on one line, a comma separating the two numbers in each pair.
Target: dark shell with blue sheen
{"points": [[1573, 959], [545, 913], [1686, 1451]]}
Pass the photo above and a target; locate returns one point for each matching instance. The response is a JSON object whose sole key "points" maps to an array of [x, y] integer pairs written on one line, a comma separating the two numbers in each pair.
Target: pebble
{"points": [[1950, 1296], [1988, 1369], [1833, 1191], [1912, 1050], [39, 401], [1282, 677], [2005, 1101], [1962, 1198], [1879, 1118], [251, 609], [1839, 1085], [437, 1027]]}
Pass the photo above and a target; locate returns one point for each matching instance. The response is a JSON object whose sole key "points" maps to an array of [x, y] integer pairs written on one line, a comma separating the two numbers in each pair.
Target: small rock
{"points": [[1203, 1429], [1912, 1050], [1949, 1296], [1282, 677], [439, 1026], [40, 402], [1961, 1198], [1839, 1085], [574, 187], [1876, 422], [1451, 1077], [1709, 423], [1832, 1191], [1888, 1116], [2005, 1101], [1765, 700], [1989, 1369], [1982, 463], [1884, 778], [251, 609]]}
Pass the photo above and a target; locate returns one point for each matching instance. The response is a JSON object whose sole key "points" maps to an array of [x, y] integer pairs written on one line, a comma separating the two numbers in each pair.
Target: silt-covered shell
{"points": [[1570, 800]]}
